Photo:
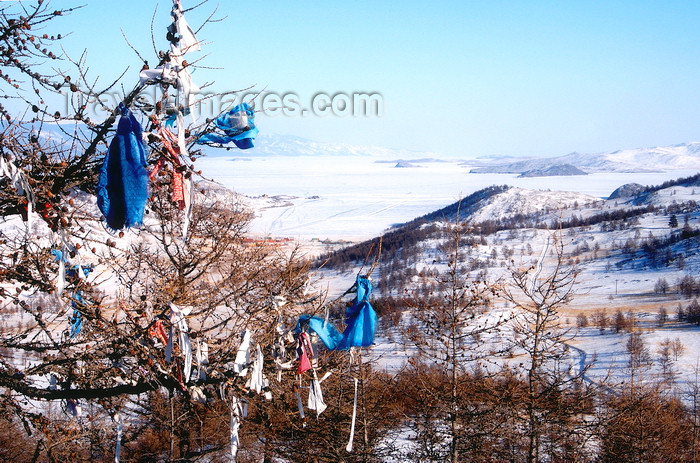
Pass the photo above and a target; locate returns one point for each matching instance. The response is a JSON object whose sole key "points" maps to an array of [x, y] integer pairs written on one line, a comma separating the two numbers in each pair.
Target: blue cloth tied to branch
{"points": [[76, 321], [236, 125], [360, 320], [122, 190], [329, 335]]}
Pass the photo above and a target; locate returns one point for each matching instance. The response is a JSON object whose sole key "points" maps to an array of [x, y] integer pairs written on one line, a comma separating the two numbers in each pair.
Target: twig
{"points": [[131, 46], [209, 19], [196, 6], [376, 261], [153, 37]]}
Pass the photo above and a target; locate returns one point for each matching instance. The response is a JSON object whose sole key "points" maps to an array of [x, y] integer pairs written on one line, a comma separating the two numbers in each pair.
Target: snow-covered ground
{"points": [[356, 197], [362, 197]]}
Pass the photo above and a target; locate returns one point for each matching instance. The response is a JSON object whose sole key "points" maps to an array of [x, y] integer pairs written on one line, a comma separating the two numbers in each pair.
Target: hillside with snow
{"points": [[516, 202], [636, 257], [657, 159]]}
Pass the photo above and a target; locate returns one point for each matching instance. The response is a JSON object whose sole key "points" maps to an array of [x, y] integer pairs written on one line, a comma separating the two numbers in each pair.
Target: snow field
{"points": [[356, 198], [602, 285]]}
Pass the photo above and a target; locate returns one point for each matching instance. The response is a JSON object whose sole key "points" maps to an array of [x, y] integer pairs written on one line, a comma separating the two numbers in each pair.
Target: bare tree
{"points": [[662, 316], [661, 286], [448, 326], [666, 359], [601, 320], [135, 332], [639, 355], [622, 322], [549, 372]]}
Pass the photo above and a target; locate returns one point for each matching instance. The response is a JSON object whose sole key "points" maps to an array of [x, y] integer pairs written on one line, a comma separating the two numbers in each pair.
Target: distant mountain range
{"points": [[683, 156], [289, 145]]}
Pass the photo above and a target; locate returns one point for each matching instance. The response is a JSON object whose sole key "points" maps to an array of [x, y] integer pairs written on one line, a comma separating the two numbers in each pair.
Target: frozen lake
{"points": [[356, 197]]}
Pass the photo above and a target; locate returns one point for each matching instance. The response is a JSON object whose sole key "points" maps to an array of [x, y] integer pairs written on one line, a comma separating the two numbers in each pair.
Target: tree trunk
{"points": [[363, 410], [172, 425]]}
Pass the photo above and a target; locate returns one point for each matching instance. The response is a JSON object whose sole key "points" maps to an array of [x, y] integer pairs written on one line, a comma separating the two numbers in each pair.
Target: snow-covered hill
{"points": [[561, 170], [658, 159], [622, 248], [521, 202]]}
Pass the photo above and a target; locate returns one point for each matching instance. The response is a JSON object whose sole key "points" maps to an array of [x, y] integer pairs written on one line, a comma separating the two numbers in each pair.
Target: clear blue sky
{"points": [[460, 78]]}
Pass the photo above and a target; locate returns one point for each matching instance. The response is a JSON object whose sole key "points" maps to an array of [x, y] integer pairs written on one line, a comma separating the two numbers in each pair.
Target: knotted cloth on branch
{"points": [[360, 321], [122, 190]]}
